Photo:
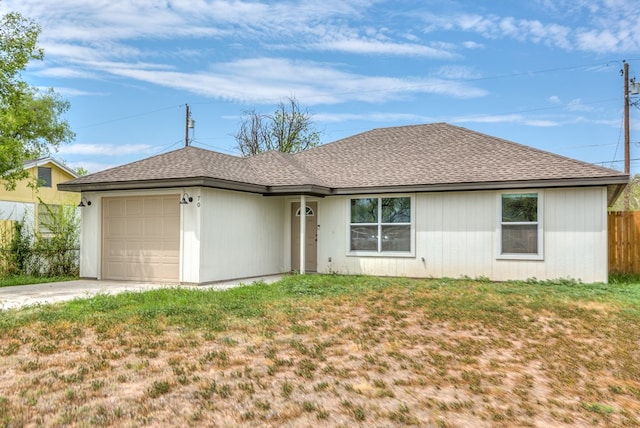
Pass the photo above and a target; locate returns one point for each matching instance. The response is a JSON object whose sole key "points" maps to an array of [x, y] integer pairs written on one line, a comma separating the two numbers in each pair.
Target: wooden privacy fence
{"points": [[624, 241]]}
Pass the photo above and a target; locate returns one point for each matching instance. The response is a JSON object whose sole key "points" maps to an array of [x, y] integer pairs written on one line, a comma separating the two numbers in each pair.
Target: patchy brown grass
{"points": [[414, 353]]}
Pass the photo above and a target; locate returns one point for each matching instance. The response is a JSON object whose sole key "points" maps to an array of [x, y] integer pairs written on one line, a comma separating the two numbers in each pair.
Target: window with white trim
{"points": [[520, 225], [380, 225]]}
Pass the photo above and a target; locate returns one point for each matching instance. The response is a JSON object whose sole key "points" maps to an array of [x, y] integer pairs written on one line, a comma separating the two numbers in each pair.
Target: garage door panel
{"points": [[170, 209], [141, 242], [134, 249], [135, 207], [115, 248], [154, 227], [134, 228], [173, 236], [171, 245], [115, 227], [153, 208], [116, 270], [117, 208]]}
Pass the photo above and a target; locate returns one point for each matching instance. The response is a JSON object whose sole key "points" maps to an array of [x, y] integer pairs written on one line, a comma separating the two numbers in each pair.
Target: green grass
{"points": [[196, 308], [445, 298], [26, 279]]}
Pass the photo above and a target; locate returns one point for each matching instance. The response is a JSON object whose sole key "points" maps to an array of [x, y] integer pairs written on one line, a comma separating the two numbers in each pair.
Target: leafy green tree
{"points": [[81, 171], [633, 193], [30, 120], [289, 129]]}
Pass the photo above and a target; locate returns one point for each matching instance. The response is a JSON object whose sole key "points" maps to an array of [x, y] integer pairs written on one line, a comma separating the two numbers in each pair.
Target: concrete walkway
{"points": [[51, 292]]}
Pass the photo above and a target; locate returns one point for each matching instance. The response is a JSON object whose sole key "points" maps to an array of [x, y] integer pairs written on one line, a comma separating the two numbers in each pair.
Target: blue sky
{"points": [[545, 73]]}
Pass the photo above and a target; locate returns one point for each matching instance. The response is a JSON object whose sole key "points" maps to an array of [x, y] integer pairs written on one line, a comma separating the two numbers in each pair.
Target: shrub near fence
{"points": [[6, 235], [624, 242], [49, 252]]}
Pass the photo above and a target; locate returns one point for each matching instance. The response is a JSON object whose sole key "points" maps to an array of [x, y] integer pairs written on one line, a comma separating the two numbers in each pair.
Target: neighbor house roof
{"points": [[434, 157], [43, 161]]}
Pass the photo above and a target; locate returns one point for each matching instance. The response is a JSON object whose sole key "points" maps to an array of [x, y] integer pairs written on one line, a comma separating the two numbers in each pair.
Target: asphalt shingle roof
{"points": [[433, 154], [437, 154]]}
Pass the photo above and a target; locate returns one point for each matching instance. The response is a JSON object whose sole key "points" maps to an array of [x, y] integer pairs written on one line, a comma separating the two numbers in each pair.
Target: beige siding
{"points": [[576, 233], [242, 235], [457, 235]]}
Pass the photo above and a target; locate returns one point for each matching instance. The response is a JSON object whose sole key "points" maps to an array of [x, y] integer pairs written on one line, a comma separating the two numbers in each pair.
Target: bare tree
{"points": [[289, 129]]}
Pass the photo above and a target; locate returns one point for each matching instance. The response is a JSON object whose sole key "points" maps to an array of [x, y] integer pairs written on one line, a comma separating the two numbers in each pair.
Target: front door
{"points": [[311, 230]]}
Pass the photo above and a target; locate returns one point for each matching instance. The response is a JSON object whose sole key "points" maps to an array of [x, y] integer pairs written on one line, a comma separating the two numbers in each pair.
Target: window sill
{"points": [[387, 254], [520, 256]]}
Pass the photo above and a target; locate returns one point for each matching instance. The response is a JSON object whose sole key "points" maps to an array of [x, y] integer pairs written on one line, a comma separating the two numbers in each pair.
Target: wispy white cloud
{"points": [[94, 39], [472, 45], [377, 47], [502, 118], [542, 123], [66, 72], [372, 116], [271, 79], [458, 72], [506, 118], [91, 166], [577, 105], [97, 39], [611, 26], [493, 27], [104, 149]]}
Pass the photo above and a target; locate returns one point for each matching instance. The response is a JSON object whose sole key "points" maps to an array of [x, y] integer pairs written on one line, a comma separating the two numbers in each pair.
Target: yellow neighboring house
{"points": [[25, 201]]}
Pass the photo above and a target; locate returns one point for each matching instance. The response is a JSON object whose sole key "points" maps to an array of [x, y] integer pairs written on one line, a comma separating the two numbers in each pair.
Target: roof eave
{"points": [[38, 162], [614, 184], [621, 180], [308, 190], [163, 184]]}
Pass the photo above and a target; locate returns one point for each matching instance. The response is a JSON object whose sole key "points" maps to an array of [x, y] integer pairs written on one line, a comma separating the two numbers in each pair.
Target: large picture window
{"points": [[380, 225], [520, 224]]}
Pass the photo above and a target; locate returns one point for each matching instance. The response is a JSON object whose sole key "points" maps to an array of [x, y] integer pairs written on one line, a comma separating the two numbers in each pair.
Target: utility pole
{"points": [[627, 157], [625, 72], [186, 126]]}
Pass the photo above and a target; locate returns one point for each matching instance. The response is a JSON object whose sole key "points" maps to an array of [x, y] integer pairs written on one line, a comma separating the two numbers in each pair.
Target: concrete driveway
{"points": [[52, 292]]}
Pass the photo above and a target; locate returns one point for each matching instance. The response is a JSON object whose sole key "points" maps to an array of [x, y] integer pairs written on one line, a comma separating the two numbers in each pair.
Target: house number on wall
{"points": [[198, 204]]}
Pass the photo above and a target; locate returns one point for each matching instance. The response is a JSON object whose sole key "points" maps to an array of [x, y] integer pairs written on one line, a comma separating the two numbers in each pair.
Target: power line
{"points": [[168, 147], [106, 122]]}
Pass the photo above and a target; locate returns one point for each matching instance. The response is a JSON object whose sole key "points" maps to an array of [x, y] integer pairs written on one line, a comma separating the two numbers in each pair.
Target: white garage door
{"points": [[141, 238]]}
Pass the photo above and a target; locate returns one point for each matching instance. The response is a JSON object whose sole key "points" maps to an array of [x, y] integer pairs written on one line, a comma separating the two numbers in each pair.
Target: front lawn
{"points": [[329, 351], [28, 279]]}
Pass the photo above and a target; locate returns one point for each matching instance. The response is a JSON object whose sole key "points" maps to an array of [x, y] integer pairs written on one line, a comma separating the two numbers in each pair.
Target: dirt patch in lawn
{"points": [[383, 358]]}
